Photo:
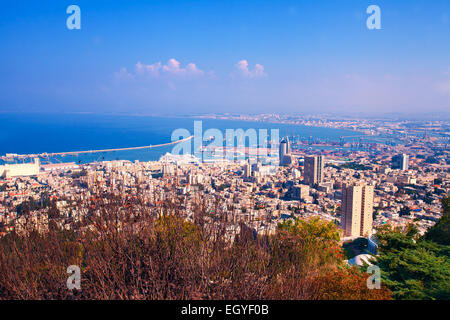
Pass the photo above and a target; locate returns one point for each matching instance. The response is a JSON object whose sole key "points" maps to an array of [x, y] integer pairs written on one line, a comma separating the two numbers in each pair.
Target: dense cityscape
{"points": [[357, 189]]}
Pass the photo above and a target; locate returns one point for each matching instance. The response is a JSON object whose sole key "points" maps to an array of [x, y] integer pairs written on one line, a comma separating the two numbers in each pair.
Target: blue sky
{"points": [[171, 57]]}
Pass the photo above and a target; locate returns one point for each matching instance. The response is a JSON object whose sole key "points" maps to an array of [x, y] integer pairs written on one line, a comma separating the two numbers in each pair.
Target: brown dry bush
{"points": [[127, 249]]}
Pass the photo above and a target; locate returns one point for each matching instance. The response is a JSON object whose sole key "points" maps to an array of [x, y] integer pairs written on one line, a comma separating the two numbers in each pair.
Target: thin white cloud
{"points": [[243, 70], [123, 75], [171, 68], [152, 69]]}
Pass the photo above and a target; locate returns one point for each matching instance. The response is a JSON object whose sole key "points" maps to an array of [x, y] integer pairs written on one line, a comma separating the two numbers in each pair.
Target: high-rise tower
{"points": [[357, 208], [400, 161], [313, 169], [285, 152]]}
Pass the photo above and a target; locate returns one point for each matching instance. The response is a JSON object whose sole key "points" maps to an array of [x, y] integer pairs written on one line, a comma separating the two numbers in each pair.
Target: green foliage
{"points": [[440, 232], [446, 205], [355, 166], [355, 247], [414, 267], [314, 242], [416, 272], [315, 228]]}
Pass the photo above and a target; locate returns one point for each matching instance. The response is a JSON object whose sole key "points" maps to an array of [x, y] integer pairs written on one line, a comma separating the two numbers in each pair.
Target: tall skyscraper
{"points": [[313, 167], [400, 161], [247, 170], [285, 152], [283, 148], [357, 208]]}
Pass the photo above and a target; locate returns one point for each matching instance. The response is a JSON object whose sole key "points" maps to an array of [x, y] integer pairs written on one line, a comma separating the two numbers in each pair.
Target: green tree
{"points": [[415, 267], [314, 242], [440, 232]]}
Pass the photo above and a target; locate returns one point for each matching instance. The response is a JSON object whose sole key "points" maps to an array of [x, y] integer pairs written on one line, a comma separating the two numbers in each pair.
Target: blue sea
{"points": [[39, 133]]}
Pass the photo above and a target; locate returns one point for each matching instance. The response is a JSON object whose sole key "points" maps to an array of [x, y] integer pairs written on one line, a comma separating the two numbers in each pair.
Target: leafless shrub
{"points": [[128, 249]]}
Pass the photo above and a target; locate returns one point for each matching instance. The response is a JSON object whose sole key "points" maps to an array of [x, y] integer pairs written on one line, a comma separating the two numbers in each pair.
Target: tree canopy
{"points": [[415, 267]]}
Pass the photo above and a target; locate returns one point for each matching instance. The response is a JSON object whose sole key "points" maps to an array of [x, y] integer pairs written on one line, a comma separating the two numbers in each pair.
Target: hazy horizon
{"points": [[385, 116]]}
